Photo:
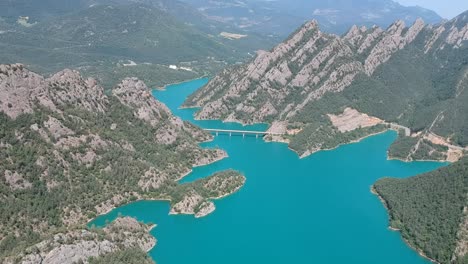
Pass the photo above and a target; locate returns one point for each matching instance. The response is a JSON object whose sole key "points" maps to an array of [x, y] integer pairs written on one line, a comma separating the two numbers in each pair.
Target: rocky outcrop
{"points": [[198, 196], [80, 245], [135, 94], [393, 40], [79, 92], [16, 94]]}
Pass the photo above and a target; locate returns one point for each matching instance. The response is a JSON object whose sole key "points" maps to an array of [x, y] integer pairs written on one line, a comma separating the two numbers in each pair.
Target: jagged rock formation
{"points": [[70, 152], [313, 74]]}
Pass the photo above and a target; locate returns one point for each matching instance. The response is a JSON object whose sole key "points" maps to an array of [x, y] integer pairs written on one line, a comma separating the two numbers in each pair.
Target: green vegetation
{"points": [[404, 146], [428, 208], [55, 182], [215, 186], [319, 136], [98, 36]]}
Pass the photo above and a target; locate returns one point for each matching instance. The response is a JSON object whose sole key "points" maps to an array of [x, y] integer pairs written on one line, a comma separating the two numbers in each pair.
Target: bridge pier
{"points": [[217, 133], [243, 135], [230, 133]]}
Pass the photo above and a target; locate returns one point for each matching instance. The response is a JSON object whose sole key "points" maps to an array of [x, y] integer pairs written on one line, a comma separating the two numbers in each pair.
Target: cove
{"points": [[313, 210]]}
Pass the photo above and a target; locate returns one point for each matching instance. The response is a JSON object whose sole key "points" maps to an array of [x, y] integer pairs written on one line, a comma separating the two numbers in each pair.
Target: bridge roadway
{"points": [[243, 132]]}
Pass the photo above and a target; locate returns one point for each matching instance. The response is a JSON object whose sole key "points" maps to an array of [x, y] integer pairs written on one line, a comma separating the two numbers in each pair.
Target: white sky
{"points": [[445, 8]]}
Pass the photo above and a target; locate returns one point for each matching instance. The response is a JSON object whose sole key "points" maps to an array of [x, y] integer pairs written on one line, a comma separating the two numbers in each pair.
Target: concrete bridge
{"points": [[231, 132]]}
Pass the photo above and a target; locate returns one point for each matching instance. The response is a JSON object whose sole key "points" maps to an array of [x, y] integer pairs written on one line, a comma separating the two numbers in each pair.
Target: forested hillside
{"points": [[430, 211], [107, 38], [69, 153]]}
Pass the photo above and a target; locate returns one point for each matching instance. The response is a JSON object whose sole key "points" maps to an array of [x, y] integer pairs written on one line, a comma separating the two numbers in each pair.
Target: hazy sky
{"points": [[445, 8]]}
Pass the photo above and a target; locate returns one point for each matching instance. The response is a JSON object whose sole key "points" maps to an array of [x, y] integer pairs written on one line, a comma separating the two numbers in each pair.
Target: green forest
{"points": [[428, 209]]}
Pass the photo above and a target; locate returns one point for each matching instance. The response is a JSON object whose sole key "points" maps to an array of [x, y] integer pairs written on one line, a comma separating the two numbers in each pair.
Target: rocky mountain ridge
{"points": [[313, 74]]}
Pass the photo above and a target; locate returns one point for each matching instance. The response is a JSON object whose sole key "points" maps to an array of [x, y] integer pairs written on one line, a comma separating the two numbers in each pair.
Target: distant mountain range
{"points": [[278, 17], [99, 37]]}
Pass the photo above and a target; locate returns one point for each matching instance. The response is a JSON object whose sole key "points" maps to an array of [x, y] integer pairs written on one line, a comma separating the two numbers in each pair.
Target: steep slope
{"points": [[69, 153], [311, 84], [335, 16], [430, 211]]}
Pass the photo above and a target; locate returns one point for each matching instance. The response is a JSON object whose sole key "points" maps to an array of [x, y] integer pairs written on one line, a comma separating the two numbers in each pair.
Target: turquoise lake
{"points": [[313, 210]]}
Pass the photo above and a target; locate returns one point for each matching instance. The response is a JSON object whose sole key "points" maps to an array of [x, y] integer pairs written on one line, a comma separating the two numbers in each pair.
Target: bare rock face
{"points": [[279, 84], [56, 128], [135, 94], [80, 245], [16, 95], [393, 40], [86, 94], [21, 91]]}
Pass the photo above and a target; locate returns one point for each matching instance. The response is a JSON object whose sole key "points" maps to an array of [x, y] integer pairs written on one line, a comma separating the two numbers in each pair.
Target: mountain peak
{"points": [[312, 24]]}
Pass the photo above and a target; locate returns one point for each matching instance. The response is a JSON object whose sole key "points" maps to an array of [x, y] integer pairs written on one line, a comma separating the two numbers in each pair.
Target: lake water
{"points": [[313, 210]]}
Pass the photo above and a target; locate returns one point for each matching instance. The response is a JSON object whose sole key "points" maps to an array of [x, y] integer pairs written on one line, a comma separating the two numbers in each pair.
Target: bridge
{"points": [[240, 132]]}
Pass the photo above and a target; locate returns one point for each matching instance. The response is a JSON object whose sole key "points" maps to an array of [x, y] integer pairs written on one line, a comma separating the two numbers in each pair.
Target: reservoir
{"points": [[313, 210]]}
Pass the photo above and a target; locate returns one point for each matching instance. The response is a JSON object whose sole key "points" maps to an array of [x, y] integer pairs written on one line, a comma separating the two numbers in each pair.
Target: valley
{"points": [[225, 131]]}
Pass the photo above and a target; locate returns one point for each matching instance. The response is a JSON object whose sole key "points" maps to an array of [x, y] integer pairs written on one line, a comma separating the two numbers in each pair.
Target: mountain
{"points": [[107, 38], [335, 16], [321, 90], [69, 153], [431, 211]]}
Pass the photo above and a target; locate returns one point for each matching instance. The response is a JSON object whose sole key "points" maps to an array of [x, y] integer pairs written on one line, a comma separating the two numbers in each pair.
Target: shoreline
{"points": [[422, 160], [163, 88], [140, 198], [343, 144], [393, 229]]}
